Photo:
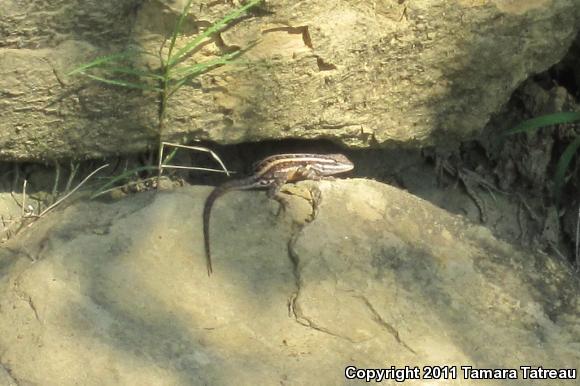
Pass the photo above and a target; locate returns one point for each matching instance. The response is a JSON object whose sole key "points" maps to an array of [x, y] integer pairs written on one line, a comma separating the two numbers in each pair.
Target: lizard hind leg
{"points": [[274, 193], [315, 200]]}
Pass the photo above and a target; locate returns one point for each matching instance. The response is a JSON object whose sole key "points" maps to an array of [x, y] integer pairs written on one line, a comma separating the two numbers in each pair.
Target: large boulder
{"points": [[118, 293]]}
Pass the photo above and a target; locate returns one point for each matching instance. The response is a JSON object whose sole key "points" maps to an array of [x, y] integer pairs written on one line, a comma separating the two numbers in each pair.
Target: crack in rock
{"points": [[294, 309], [23, 295], [31, 304], [8, 372], [296, 313], [381, 322], [298, 30]]}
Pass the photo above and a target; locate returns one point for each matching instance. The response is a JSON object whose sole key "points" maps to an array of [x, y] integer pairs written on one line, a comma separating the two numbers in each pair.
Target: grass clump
{"points": [[173, 71]]}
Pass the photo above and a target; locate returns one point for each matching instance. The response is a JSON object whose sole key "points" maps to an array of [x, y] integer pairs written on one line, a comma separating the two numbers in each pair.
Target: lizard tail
{"points": [[214, 195], [248, 183]]}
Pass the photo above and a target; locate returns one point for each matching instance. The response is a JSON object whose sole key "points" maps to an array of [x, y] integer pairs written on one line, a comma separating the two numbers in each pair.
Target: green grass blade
{"points": [[177, 28], [122, 83], [545, 120], [179, 76], [562, 166], [189, 72], [133, 71], [200, 68], [216, 27], [101, 61], [170, 156], [177, 83]]}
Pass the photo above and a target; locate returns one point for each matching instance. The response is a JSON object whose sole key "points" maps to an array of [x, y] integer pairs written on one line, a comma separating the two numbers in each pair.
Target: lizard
{"points": [[272, 173]]}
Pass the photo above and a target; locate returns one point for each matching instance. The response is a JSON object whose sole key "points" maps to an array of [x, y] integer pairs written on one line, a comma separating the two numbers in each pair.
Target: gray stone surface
{"points": [[117, 293], [374, 73]]}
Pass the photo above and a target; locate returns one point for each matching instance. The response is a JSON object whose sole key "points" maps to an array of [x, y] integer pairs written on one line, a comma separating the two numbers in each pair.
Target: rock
{"points": [[360, 73], [118, 292]]}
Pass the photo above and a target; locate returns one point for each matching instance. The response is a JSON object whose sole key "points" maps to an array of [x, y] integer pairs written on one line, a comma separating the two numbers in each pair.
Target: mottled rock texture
{"points": [[118, 294], [362, 73]]}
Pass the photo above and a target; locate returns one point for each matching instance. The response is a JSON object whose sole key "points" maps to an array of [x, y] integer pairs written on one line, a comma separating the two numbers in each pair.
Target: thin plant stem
{"points": [[198, 148], [74, 167], [51, 207], [23, 209], [56, 179], [578, 241]]}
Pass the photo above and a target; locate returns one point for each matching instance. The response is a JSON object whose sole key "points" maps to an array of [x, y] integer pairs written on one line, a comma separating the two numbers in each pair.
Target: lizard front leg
{"points": [[307, 173]]}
